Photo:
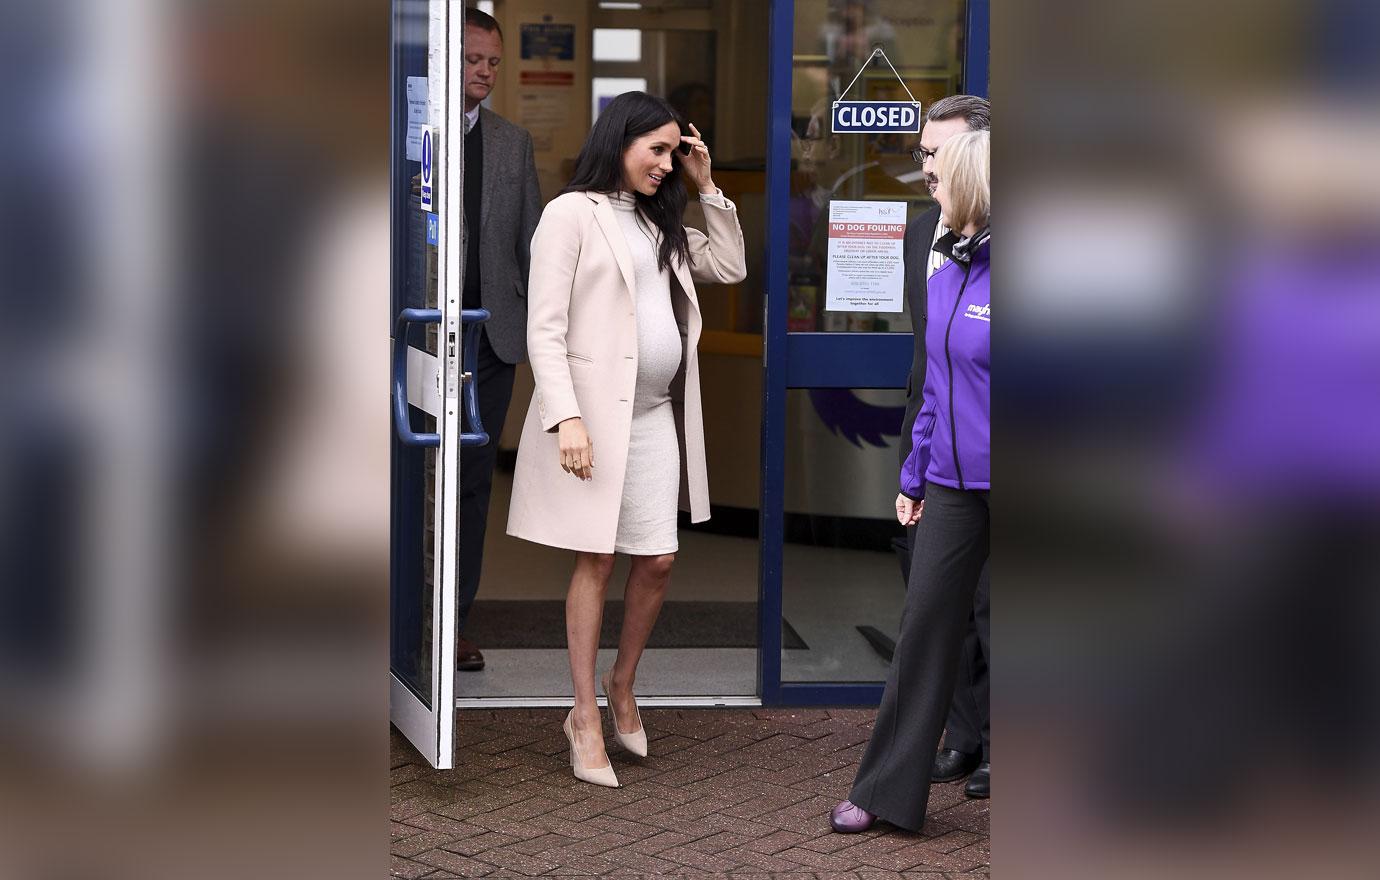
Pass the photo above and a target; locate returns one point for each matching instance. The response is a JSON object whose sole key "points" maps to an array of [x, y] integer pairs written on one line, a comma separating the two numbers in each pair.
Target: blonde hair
{"points": [[964, 164]]}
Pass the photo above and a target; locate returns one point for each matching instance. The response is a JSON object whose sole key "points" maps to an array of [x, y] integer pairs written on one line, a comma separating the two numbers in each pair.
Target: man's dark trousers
{"points": [[477, 471]]}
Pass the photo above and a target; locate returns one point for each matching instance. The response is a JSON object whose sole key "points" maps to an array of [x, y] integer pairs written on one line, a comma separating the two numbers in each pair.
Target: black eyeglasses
{"points": [[920, 154]]}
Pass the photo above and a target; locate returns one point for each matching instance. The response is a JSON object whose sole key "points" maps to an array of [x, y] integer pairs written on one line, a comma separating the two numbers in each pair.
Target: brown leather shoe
{"points": [[467, 656]]}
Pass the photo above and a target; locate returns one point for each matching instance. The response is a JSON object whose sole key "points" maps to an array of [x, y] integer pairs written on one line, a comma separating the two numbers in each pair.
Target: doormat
{"points": [[540, 623]]}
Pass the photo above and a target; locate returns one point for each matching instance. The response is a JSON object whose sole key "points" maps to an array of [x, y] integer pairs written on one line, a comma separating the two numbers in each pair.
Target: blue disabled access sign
{"points": [[428, 170], [876, 117]]}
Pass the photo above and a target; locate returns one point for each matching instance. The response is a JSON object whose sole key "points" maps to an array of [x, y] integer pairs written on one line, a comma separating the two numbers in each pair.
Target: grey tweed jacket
{"points": [[509, 208]]}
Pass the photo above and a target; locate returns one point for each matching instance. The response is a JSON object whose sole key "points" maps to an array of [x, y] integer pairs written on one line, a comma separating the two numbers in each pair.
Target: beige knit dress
{"points": [[651, 484]]}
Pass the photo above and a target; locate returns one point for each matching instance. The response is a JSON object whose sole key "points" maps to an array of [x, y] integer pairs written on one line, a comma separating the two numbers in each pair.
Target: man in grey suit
{"points": [[502, 206], [967, 747]]}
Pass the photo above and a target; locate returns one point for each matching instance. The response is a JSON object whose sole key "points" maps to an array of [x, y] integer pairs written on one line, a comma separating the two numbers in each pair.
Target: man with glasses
{"points": [[966, 740]]}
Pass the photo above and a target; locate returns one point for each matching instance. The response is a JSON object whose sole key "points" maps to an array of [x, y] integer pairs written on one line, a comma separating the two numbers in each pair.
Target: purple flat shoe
{"points": [[849, 818]]}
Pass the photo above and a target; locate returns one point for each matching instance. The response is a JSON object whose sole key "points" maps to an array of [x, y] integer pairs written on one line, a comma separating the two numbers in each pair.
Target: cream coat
{"points": [[582, 344]]}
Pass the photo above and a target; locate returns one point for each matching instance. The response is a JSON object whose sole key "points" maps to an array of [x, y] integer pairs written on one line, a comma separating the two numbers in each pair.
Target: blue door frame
{"points": [[814, 360]]}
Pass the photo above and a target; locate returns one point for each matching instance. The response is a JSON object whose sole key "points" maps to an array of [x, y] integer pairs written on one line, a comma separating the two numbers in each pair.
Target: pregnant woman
{"points": [[614, 435]]}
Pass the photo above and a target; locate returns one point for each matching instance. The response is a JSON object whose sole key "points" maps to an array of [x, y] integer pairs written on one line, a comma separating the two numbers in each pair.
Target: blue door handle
{"points": [[401, 422], [471, 320]]}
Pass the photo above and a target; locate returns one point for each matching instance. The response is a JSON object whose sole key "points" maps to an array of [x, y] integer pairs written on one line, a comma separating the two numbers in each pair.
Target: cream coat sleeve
{"points": [[718, 258], [555, 254]]}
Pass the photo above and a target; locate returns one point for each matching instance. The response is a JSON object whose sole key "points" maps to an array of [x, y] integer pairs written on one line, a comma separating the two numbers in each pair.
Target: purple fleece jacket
{"points": [[951, 438]]}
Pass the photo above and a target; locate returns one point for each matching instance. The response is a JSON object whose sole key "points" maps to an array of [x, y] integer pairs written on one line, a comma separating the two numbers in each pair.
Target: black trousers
{"points": [[968, 729], [477, 472], [951, 546], [969, 726]]}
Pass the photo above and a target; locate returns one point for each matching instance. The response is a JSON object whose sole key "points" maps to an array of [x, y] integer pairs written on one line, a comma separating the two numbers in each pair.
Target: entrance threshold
{"points": [[705, 702]]}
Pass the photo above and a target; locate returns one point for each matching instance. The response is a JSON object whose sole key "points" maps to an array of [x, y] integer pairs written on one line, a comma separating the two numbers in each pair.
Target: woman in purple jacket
{"points": [[947, 476]]}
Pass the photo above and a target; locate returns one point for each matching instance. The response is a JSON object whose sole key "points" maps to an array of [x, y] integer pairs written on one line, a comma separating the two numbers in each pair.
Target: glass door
{"points": [[838, 335], [428, 387]]}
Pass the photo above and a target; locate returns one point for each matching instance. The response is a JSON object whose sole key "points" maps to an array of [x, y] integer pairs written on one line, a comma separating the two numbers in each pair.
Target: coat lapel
{"points": [[603, 213], [687, 284], [489, 192], [613, 231]]}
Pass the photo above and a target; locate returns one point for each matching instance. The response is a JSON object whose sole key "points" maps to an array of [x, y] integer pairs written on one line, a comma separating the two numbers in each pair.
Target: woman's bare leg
{"points": [[642, 600], [584, 611]]}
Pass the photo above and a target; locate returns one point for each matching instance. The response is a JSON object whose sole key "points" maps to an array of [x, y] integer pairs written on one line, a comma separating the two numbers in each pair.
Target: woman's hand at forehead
{"points": [[697, 164]]}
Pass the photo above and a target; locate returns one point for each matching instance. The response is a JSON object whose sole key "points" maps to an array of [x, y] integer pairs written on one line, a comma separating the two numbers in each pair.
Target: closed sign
{"points": [[876, 117]]}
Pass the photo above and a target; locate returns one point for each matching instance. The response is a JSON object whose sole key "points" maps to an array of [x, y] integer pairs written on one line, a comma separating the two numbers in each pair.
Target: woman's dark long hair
{"points": [[599, 167]]}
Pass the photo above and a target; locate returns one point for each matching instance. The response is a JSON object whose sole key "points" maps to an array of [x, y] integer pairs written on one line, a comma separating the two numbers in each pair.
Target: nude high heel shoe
{"points": [[635, 742], [599, 775]]}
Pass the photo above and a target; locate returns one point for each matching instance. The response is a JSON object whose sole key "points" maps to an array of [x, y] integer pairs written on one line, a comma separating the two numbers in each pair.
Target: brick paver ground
{"points": [[742, 793]]}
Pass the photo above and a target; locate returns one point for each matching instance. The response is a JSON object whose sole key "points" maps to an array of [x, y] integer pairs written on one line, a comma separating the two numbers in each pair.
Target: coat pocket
{"points": [[578, 358]]}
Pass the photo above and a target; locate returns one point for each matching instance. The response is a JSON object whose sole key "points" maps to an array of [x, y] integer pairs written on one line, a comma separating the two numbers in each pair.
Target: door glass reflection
{"points": [[843, 561], [923, 39]]}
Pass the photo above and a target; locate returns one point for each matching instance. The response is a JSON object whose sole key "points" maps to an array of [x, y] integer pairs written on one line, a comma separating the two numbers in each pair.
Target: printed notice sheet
{"points": [[416, 116], [866, 251]]}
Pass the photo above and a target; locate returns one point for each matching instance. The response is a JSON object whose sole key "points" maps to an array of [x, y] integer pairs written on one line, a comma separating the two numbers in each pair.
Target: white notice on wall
{"points": [[416, 116], [547, 108], [866, 253]]}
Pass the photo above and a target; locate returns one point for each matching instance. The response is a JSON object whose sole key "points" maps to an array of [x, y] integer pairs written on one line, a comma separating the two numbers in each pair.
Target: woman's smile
{"points": [[652, 178]]}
